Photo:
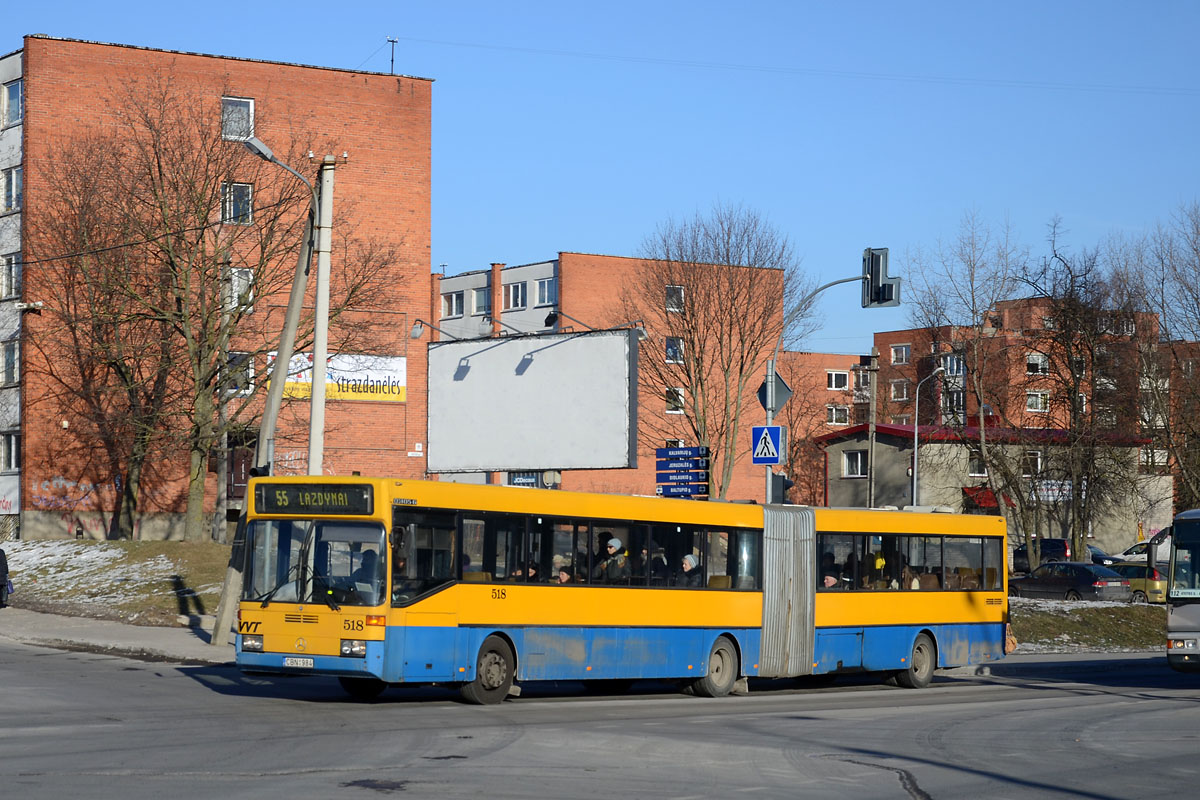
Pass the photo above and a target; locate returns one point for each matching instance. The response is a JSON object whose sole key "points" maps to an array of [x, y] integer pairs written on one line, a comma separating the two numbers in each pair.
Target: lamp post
{"points": [[916, 486], [320, 221]]}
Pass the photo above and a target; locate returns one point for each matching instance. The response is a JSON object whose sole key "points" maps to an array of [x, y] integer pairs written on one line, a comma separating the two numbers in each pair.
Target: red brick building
{"points": [[378, 128]]}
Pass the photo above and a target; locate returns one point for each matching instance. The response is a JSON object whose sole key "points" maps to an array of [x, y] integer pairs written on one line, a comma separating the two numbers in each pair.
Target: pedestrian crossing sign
{"points": [[769, 444]]}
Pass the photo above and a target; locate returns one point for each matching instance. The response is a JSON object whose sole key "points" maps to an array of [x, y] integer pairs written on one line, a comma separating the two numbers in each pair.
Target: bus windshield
{"points": [[335, 562], [1185, 557]]}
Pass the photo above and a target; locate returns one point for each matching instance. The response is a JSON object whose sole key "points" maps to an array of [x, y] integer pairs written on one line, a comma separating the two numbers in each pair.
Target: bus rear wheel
{"points": [[362, 688], [493, 673], [921, 663], [722, 670]]}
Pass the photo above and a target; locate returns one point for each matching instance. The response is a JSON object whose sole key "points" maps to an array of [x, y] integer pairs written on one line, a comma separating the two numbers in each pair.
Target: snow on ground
{"points": [[92, 572]]}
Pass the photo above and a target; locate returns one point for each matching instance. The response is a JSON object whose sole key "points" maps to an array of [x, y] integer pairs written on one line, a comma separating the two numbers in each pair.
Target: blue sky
{"points": [[582, 126]]}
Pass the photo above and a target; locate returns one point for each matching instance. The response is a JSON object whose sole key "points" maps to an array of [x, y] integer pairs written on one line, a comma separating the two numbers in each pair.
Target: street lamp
{"points": [[916, 427], [320, 222]]}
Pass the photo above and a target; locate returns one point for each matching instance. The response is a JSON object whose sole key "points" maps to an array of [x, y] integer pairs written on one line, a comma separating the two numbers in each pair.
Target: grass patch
{"points": [[1052, 624]]}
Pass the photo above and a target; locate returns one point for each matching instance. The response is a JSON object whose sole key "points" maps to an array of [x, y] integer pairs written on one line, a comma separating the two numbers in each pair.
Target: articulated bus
{"points": [[382, 582], [1183, 594]]}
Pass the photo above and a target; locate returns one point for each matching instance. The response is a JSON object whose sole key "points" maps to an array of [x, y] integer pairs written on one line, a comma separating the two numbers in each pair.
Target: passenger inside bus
{"points": [[615, 567], [828, 577], [690, 572]]}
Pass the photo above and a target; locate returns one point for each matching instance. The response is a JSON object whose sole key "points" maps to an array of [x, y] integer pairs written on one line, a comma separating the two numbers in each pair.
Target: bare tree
{"points": [[714, 290], [170, 241]]}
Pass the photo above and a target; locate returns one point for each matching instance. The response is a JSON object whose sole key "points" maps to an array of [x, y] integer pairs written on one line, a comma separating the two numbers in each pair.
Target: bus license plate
{"points": [[290, 661]]}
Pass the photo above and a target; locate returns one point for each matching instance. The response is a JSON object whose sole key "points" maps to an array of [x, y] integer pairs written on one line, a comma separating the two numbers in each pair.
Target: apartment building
{"points": [[60, 94]]}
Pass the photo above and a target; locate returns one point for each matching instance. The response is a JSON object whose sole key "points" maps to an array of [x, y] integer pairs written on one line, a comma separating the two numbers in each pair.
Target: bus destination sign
{"points": [[334, 499]]}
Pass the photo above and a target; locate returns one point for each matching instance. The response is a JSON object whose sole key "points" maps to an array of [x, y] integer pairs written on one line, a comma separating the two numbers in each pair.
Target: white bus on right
{"points": [[1183, 594]]}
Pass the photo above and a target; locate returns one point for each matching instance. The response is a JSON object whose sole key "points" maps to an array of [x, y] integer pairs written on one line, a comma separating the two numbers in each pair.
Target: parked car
{"points": [[1148, 584], [1141, 550], [1072, 580], [1052, 550]]}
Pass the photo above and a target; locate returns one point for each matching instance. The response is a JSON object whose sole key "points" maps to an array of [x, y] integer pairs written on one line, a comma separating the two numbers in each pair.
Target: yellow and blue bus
{"points": [[384, 582]]}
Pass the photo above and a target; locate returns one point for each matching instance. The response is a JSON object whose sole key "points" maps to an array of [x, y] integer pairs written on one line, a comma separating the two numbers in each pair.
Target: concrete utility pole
{"points": [[316, 420], [872, 372]]}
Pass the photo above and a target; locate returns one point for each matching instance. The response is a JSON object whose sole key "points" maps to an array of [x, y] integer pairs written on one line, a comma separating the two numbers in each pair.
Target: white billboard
{"points": [[548, 401]]}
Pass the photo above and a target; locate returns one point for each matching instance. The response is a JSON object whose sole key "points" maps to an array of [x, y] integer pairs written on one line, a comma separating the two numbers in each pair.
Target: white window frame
{"points": [[854, 463], [1153, 457], [673, 443], [1037, 402], [901, 419], [452, 305], [674, 299], [481, 301], [10, 451], [10, 275], [228, 121], [901, 353], [674, 350], [954, 401], [230, 201], [547, 291], [241, 365], [515, 297], [239, 295], [834, 377], [1034, 456], [1037, 363], [900, 389], [675, 400], [837, 414], [13, 179], [976, 466], [954, 364], [10, 363], [13, 112]]}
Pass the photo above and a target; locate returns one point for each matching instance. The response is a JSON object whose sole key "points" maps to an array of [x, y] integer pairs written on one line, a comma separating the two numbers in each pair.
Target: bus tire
{"points": [[722, 670], [362, 688], [921, 664], [493, 673]]}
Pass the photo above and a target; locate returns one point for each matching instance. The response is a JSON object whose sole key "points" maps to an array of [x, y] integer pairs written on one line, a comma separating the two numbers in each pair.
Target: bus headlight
{"points": [[1181, 644], [252, 642], [354, 648]]}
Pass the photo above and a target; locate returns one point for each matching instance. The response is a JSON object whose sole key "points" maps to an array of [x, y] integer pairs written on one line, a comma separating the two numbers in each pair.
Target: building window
{"points": [[1106, 418], [239, 374], [837, 415], [675, 400], [954, 402], [237, 118], [241, 291], [547, 292], [976, 466], [900, 390], [862, 381], [901, 353], [1037, 364], [854, 464], [236, 199], [675, 299], [674, 350], [10, 452], [837, 380], [10, 370], [514, 296], [452, 304], [12, 179], [10, 275], [1031, 463], [13, 102], [954, 364], [673, 443], [1037, 401], [481, 301], [902, 419]]}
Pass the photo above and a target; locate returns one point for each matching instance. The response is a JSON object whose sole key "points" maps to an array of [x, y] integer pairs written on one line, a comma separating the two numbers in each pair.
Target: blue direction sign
{"points": [[683, 490], [768, 444], [682, 477], [681, 452], [681, 463]]}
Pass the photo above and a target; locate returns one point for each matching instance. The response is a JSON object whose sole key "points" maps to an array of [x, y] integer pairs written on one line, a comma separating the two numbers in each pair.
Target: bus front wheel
{"points": [[722, 670], [493, 673], [921, 664]]}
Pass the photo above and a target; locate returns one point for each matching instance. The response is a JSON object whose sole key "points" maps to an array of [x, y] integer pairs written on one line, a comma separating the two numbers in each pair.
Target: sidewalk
{"points": [[182, 644]]}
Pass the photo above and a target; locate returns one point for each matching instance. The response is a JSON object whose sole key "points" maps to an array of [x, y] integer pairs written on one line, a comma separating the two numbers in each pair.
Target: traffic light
{"points": [[878, 290], [779, 487]]}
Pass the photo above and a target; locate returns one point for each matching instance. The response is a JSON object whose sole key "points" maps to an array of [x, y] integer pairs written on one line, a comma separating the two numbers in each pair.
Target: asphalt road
{"points": [[97, 726]]}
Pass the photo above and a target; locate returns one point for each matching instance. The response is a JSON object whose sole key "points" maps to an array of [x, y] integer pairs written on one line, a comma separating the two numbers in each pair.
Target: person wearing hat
{"points": [[690, 574], [614, 568]]}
